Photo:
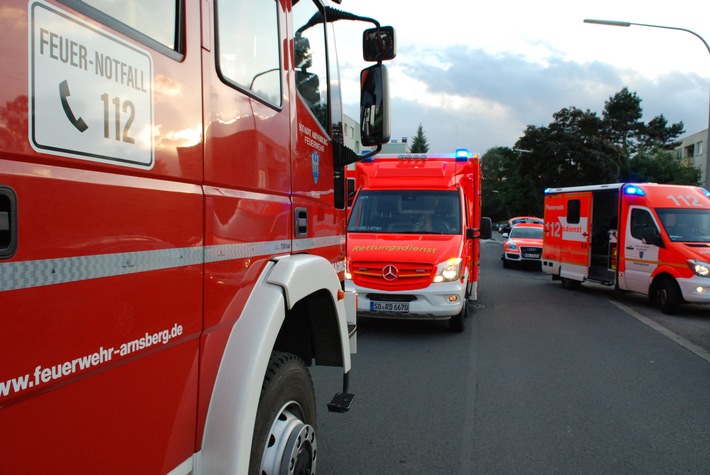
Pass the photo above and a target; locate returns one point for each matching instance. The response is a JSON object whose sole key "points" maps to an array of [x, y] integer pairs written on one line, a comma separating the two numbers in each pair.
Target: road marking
{"points": [[664, 331]]}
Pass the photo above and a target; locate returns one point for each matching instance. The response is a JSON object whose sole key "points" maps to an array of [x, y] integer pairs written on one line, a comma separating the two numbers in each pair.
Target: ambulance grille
{"points": [[408, 276]]}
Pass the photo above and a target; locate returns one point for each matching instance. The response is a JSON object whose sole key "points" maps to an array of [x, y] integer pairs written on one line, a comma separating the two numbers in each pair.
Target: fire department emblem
{"points": [[390, 272], [315, 166]]}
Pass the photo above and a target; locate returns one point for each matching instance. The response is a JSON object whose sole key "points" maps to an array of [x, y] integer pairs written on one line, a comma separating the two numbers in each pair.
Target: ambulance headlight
{"points": [[512, 246], [448, 271], [699, 268]]}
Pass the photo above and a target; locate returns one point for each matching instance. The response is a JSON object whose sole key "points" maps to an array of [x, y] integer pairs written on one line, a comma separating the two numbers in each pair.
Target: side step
{"points": [[341, 402]]}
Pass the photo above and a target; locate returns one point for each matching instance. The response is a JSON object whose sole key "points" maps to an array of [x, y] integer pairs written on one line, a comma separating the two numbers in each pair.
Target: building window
{"points": [[698, 148], [689, 151]]}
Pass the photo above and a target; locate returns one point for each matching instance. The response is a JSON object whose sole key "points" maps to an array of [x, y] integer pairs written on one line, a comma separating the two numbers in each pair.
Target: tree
{"points": [[658, 134], [661, 166], [580, 148], [419, 144], [500, 182], [622, 118], [570, 151]]}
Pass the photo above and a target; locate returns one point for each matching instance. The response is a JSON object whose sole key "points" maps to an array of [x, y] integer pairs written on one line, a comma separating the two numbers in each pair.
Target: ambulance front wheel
{"points": [[284, 433], [457, 323], [668, 296]]}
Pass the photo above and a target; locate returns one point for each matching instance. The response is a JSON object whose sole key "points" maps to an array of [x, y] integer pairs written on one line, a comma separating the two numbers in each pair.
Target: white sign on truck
{"points": [[91, 93]]}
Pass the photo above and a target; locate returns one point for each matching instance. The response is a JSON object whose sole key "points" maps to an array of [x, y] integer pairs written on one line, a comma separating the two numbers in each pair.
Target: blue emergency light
{"points": [[634, 190], [461, 155]]}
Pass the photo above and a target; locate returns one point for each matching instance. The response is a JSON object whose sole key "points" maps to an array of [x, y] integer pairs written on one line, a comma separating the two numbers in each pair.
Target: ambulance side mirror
{"points": [[486, 228], [651, 236], [374, 106]]}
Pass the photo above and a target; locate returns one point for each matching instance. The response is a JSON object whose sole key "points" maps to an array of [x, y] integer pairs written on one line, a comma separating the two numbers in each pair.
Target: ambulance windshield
{"points": [[686, 225], [406, 211]]}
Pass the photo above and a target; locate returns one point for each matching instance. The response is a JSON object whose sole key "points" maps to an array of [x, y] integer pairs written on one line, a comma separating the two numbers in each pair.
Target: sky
{"points": [[476, 74]]}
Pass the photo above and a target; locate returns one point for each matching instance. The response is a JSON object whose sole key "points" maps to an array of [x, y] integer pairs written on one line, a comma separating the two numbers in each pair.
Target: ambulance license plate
{"points": [[531, 256], [398, 307]]}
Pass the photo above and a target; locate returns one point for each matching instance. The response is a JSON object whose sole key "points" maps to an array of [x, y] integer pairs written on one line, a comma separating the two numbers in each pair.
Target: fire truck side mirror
{"points": [[379, 44], [374, 105]]}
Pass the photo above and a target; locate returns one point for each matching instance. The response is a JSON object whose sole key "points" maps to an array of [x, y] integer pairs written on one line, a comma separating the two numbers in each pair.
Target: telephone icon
{"points": [[64, 94]]}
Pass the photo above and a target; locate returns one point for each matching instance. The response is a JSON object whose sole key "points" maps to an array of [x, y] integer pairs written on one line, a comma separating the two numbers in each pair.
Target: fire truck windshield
{"points": [[406, 211]]}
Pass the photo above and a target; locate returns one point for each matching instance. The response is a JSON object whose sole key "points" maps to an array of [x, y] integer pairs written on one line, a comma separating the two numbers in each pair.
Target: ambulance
{"points": [[649, 238], [172, 232], [414, 233]]}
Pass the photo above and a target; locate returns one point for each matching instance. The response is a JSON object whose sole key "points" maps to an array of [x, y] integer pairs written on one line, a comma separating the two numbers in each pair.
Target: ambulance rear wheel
{"points": [[668, 297], [285, 429], [570, 284]]}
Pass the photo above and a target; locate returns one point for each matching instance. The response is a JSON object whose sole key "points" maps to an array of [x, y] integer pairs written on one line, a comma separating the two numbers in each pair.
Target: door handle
{"points": [[8, 222], [301, 222], [630, 248]]}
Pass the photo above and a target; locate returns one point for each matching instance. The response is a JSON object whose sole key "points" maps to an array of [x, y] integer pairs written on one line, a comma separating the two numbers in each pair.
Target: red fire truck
{"points": [[413, 236], [172, 232], [648, 238]]}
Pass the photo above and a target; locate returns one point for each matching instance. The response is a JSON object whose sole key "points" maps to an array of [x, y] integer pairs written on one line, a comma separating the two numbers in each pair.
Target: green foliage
{"points": [[419, 143], [657, 133], [622, 119], [661, 166], [580, 148]]}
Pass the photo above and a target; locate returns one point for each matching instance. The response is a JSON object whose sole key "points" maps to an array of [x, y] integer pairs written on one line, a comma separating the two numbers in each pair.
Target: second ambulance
{"points": [[648, 238], [413, 236]]}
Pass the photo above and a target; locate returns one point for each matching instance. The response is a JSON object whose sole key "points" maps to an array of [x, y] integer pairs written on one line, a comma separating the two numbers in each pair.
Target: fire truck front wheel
{"points": [[285, 429]]}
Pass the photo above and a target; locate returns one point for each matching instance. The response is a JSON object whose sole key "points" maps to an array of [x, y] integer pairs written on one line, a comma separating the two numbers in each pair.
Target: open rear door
{"points": [[575, 232]]}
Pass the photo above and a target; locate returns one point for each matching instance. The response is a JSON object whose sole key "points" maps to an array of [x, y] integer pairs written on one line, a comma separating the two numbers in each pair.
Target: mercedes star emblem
{"points": [[389, 272]]}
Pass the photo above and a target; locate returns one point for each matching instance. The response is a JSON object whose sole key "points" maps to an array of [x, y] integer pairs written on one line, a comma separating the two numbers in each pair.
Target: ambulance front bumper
{"points": [[436, 302], [695, 289]]}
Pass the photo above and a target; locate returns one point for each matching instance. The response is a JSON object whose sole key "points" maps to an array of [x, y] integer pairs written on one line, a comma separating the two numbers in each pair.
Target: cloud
{"points": [[467, 97]]}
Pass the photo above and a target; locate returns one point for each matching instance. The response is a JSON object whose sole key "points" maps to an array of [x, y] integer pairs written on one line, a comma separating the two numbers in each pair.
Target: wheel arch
{"points": [[293, 307], [656, 281]]}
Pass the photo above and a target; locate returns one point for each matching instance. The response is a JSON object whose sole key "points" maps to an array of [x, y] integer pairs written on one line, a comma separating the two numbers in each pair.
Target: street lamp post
{"points": [[627, 24]]}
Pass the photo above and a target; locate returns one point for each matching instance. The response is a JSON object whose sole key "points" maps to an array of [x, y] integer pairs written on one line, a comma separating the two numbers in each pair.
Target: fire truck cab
{"points": [[172, 231], [648, 238], [413, 236]]}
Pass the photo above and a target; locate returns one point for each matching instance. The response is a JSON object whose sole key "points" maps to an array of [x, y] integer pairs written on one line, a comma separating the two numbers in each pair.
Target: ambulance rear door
{"points": [[575, 233]]}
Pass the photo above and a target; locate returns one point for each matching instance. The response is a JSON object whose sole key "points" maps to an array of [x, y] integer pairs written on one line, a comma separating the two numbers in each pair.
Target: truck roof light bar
{"points": [[634, 190], [462, 155]]}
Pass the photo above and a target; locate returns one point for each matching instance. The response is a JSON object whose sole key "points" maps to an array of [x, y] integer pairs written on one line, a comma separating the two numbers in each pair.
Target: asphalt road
{"points": [[543, 380]]}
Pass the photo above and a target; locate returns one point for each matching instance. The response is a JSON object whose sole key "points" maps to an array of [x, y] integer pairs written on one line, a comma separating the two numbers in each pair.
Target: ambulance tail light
{"points": [[634, 190], [699, 268], [448, 271]]}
